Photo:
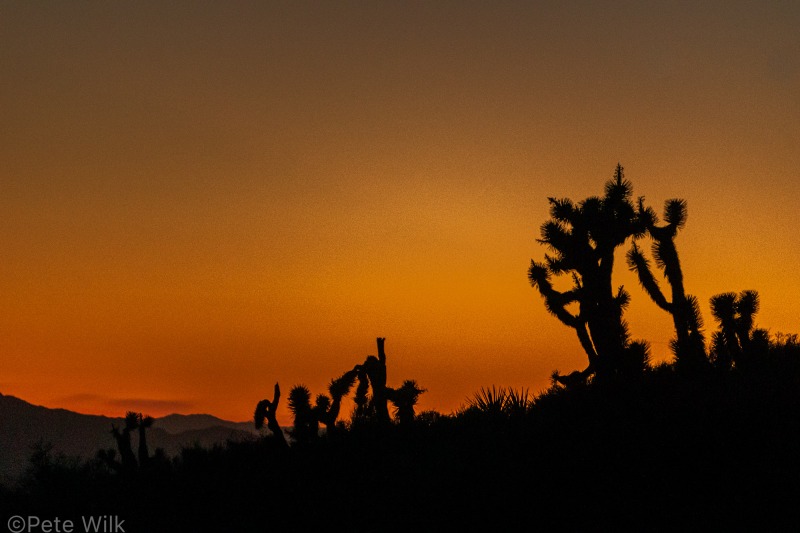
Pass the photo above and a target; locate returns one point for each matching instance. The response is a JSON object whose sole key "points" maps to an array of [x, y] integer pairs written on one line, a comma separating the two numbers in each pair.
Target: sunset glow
{"points": [[200, 199]]}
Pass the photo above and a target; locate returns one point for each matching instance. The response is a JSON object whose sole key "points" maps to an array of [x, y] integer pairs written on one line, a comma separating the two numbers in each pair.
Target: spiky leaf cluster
{"points": [[737, 342], [499, 402], [404, 400]]}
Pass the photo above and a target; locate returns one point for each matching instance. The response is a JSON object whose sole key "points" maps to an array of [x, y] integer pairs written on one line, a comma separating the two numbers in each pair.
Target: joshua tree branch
{"points": [[638, 263]]}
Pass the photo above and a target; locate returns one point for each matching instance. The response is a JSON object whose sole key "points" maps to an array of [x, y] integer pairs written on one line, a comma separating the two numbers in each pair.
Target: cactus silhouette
{"points": [[404, 399], [582, 238], [689, 344], [327, 409], [266, 409], [306, 422], [123, 438], [737, 343], [143, 422], [372, 375], [363, 405], [375, 368]]}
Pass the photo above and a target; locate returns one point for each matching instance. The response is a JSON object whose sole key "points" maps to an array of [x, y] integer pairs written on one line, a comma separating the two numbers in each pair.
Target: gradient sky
{"points": [[200, 199]]}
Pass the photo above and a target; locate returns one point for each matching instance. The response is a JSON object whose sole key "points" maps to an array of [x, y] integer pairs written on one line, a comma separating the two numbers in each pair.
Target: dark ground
{"points": [[667, 452]]}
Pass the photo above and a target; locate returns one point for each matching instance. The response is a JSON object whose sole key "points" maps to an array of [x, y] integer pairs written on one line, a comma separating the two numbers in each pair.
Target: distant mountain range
{"points": [[23, 425]]}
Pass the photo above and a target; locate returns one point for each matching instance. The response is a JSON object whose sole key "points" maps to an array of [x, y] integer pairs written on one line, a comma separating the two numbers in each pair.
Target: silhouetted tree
{"points": [[327, 409], [689, 345], [123, 438], [404, 399], [144, 422], [306, 421], [582, 239], [375, 368], [363, 405], [268, 410], [371, 375], [737, 342]]}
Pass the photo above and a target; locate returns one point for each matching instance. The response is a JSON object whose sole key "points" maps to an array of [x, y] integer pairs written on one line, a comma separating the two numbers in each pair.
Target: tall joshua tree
{"points": [[737, 342], [371, 374], [689, 344], [375, 368], [582, 239], [268, 410]]}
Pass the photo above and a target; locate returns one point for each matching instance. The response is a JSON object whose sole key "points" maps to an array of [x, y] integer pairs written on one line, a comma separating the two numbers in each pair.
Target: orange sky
{"points": [[200, 199]]}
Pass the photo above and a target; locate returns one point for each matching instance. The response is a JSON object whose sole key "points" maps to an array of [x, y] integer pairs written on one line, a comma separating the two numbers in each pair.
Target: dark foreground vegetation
{"points": [[718, 450], [709, 441]]}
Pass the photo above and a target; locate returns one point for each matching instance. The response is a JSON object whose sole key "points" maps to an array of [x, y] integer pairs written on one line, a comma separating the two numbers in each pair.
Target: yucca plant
{"points": [[518, 402], [501, 402], [490, 401]]}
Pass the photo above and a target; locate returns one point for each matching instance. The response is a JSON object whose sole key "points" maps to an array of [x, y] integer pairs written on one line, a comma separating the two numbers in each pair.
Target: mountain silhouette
{"points": [[24, 425]]}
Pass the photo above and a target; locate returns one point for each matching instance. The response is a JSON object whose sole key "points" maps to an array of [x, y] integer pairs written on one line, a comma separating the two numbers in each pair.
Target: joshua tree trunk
{"points": [[376, 371]]}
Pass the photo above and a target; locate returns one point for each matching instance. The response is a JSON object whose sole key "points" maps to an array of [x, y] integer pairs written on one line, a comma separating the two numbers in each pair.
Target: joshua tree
{"points": [[375, 368], [123, 438], [306, 422], [404, 399], [268, 409], [689, 346], [582, 238], [363, 405], [372, 374], [143, 423], [327, 410], [737, 342]]}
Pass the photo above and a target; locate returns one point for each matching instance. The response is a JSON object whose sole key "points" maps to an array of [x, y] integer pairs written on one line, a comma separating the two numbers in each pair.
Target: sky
{"points": [[200, 199]]}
